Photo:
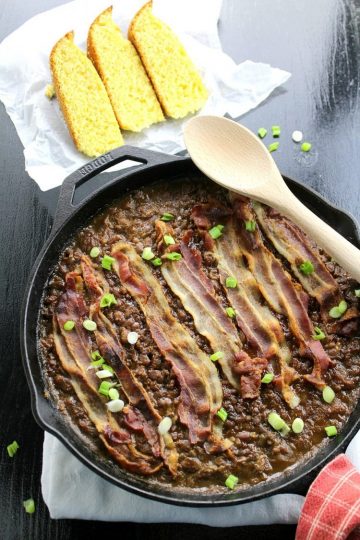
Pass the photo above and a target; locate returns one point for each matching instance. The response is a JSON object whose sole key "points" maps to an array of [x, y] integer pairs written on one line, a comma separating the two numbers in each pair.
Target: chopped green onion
{"points": [[276, 421], [115, 405], [231, 481], [107, 262], [284, 431], [276, 130], [273, 146], [342, 306], [108, 368], [132, 337], [12, 448], [222, 414], [104, 388], [216, 231], [89, 325], [216, 356], [250, 225], [267, 378], [98, 363], [306, 267], [104, 373], [306, 147], [262, 132], [69, 325], [168, 239], [319, 334], [328, 394], [297, 425], [231, 282], [167, 217], [156, 262], [96, 355], [113, 393], [95, 252], [339, 310], [230, 312], [173, 256], [357, 293], [165, 425], [29, 506], [107, 300], [297, 136], [147, 254], [331, 431]]}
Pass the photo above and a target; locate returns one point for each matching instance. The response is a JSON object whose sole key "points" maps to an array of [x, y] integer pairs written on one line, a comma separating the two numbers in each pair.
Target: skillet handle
{"points": [[145, 159]]}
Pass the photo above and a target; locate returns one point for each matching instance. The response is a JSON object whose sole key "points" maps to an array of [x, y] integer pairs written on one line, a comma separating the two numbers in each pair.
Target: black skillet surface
{"points": [[69, 219]]}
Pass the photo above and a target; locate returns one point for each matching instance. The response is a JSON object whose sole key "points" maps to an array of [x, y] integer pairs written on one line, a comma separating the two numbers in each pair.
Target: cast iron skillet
{"points": [[68, 220]]}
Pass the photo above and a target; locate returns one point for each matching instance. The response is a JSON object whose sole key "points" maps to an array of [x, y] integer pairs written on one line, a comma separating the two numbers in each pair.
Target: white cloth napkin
{"points": [[24, 66], [71, 490]]}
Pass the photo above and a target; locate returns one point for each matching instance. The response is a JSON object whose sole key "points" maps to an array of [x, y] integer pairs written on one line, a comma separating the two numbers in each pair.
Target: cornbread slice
{"points": [[83, 99], [131, 94], [177, 83]]}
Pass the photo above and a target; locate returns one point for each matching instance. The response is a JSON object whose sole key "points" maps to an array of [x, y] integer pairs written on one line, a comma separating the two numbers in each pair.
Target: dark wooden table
{"points": [[318, 42]]}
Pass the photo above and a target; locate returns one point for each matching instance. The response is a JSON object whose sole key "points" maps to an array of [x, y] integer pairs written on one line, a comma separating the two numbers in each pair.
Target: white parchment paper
{"points": [[24, 73]]}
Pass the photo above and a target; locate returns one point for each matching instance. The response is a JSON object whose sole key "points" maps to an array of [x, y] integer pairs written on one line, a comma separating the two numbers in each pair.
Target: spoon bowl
{"points": [[235, 158]]}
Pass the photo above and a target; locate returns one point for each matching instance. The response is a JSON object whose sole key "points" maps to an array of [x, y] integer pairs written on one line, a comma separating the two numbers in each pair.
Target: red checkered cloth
{"points": [[332, 506]]}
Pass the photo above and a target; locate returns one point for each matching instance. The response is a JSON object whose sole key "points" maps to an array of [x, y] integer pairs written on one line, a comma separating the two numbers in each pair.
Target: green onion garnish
{"points": [[156, 262], [167, 217], [357, 293], [267, 378], [231, 481], [230, 312], [262, 132], [306, 147], [99, 362], [278, 423], [222, 414], [12, 448], [108, 368], [89, 325], [104, 388], [319, 334], [95, 252], [331, 431], [216, 231], [250, 225], [96, 355], [339, 310], [168, 239], [216, 356], [113, 393], [147, 254], [107, 300], [29, 506], [328, 394], [306, 267], [69, 325], [273, 146], [276, 130], [297, 425], [106, 262], [231, 282], [173, 256]]}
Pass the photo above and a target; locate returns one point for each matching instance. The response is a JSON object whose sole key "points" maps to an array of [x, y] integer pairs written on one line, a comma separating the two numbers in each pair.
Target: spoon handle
{"points": [[345, 253]]}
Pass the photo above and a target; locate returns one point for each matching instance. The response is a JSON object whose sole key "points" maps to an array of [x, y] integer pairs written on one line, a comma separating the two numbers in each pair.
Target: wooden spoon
{"points": [[235, 158]]}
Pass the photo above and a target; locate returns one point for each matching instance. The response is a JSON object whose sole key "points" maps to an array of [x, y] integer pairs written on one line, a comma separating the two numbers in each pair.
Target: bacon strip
{"points": [[293, 244], [189, 282], [261, 328], [201, 391], [142, 416], [116, 439], [279, 290]]}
